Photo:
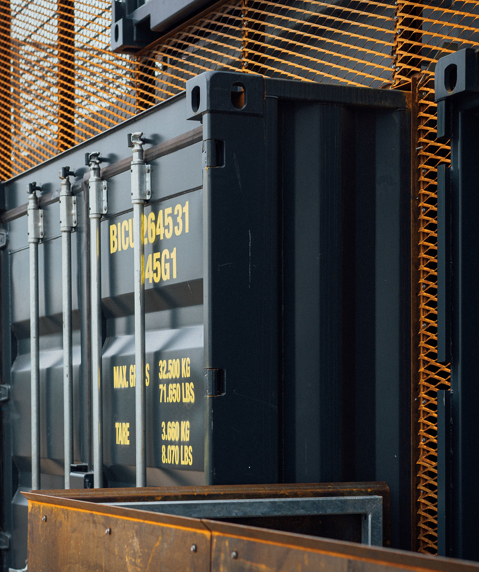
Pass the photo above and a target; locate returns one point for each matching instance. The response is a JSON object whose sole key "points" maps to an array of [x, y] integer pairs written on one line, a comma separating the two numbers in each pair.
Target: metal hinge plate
{"points": [[105, 197], [4, 392], [215, 382], [35, 224], [68, 212], [3, 238], [4, 541], [141, 182], [213, 153]]}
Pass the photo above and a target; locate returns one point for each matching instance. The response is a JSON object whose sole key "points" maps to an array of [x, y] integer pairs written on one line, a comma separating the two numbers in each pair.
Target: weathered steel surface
{"points": [[343, 527], [85, 538], [67, 534], [236, 548]]}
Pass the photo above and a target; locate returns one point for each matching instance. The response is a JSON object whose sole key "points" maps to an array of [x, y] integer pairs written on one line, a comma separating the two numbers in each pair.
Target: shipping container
{"points": [[266, 316], [299, 302]]}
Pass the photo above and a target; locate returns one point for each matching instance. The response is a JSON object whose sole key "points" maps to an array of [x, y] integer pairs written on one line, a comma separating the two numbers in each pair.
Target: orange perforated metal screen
{"points": [[60, 84]]}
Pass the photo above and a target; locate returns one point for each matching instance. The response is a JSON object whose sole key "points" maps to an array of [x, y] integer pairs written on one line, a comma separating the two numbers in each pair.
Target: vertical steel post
{"points": [[68, 220], [35, 234], [98, 207], [140, 191]]}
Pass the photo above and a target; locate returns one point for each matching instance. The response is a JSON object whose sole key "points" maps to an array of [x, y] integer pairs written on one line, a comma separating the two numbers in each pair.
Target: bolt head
{"points": [[234, 555], [108, 531], [194, 548], [44, 518]]}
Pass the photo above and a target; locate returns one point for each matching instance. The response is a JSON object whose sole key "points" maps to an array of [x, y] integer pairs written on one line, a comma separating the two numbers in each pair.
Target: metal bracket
{"points": [[4, 392], [3, 238], [68, 203], [34, 214], [68, 212], [215, 382], [35, 224], [98, 188], [135, 27], [140, 172], [213, 153], [4, 541], [105, 197]]}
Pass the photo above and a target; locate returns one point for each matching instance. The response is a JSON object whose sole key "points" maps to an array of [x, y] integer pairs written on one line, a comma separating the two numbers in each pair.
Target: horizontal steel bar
{"points": [[370, 506]]}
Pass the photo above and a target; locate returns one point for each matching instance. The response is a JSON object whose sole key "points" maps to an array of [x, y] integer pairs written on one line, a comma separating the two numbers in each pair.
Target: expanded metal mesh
{"points": [[432, 375], [60, 84], [425, 33]]}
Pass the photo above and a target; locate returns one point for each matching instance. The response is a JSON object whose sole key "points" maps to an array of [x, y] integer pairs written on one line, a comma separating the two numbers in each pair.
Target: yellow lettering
{"points": [[144, 229], [113, 239], [168, 222], [151, 228], [186, 211], [149, 269], [116, 376], [130, 229], [165, 266], [159, 225], [185, 367], [122, 431], [185, 430], [186, 455], [147, 374], [156, 266], [179, 225], [173, 258], [132, 376], [124, 236]]}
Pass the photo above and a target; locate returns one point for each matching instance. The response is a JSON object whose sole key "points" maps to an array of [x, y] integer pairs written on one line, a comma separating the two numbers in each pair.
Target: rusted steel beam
{"points": [[224, 492], [237, 548], [244, 492], [73, 535], [68, 534]]}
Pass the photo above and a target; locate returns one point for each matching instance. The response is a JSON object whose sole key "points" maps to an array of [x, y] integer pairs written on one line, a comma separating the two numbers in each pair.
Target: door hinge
{"points": [[4, 541], [4, 392], [215, 382], [3, 238], [213, 153]]}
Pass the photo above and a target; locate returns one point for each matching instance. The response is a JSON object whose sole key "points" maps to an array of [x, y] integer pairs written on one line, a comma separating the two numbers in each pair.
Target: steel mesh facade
{"points": [[60, 85]]}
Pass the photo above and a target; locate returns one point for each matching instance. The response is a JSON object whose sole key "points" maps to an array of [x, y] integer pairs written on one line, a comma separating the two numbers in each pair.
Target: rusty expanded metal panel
{"points": [[432, 375], [425, 33]]}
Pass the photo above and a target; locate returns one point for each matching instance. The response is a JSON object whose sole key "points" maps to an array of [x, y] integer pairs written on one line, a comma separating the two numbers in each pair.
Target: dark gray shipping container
{"points": [[277, 296]]}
